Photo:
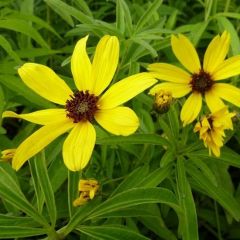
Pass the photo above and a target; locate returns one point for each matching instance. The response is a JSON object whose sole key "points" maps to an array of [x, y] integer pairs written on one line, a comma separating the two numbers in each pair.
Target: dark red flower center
{"points": [[82, 106], [201, 82]]}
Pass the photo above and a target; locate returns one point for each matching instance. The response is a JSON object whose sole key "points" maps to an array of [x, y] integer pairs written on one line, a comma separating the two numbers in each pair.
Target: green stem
{"points": [[227, 4], [218, 222], [53, 235]]}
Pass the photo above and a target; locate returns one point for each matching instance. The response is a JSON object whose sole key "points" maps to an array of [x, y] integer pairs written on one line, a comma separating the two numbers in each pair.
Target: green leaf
{"points": [[39, 196], [79, 216], [132, 180], [227, 156], [167, 129], [120, 21], [6, 220], [10, 192], [205, 170], [134, 139], [24, 28], [197, 32], [218, 193], [35, 19], [66, 11], [188, 221], [173, 119], [10, 232], [110, 233], [84, 7], [135, 197], [146, 45], [127, 16], [168, 157], [44, 182], [153, 7], [156, 224], [154, 178], [35, 52], [8, 48], [227, 25]]}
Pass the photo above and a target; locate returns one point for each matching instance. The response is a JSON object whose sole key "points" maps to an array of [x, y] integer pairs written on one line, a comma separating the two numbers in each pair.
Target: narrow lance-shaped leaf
{"points": [[44, 182], [148, 14], [10, 191], [110, 233], [24, 28], [8, 48], [129, 198], [188, 220], [10, 232], [134, 139], [218, 193]]}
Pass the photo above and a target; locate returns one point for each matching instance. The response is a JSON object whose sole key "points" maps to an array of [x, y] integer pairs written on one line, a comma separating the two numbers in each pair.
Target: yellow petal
{"points": [[177, 90], [105, 62], [216, 52], [217, 138], [191, 108], [168, 72], [228, 93], [215, 149], [185, 53], [119, 120], [81, 66], [125, 89], [227, 69], [45, 82], [42, 117], [213, 101], [78, 146], [38, 140]]}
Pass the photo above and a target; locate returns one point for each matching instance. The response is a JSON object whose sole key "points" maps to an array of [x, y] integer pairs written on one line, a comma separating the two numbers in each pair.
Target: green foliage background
{"points": [[159, 183]]}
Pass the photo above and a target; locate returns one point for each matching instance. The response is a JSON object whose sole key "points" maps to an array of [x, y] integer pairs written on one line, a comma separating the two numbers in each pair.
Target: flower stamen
{"points": [[201, 82], [82, 106]]}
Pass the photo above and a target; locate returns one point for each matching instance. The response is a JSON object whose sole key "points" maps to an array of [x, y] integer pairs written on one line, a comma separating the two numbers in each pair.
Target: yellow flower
{"points": [[88, 189], [82, 199], [199, 80], [89, 185], [81, 107], [211, 129], [7, 154]]}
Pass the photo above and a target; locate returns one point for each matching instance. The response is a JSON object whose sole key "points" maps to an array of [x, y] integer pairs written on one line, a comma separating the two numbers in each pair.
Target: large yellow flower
{"points": [[211, 129], [81, 107], [199, 80]]}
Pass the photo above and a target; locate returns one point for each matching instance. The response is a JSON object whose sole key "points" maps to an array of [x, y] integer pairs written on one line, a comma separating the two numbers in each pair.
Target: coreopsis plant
{"points": [[81, 107], [211, 129], [199, 80]]}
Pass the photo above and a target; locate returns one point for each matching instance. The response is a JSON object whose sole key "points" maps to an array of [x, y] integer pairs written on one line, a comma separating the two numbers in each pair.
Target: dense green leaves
{"points": [[10, 192]]}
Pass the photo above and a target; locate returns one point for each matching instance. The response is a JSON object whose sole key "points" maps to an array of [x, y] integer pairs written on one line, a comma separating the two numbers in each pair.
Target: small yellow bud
{"points": [[162, 101]]}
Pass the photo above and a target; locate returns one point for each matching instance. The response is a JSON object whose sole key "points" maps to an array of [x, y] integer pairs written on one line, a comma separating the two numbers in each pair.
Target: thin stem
{"points": [[227, 4], [218, 222], [53, 235]]}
